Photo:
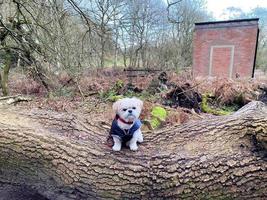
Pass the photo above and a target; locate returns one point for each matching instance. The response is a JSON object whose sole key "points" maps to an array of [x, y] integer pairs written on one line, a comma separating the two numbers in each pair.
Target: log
{"points": [[64, 156]]}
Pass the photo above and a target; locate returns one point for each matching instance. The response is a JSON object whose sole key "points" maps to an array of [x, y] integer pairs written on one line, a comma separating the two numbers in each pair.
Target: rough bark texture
{"points": [[4, 76], [216, 158]]}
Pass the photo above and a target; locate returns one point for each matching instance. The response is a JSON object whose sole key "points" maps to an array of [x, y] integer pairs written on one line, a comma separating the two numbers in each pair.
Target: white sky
{"points": [[217, 6]]}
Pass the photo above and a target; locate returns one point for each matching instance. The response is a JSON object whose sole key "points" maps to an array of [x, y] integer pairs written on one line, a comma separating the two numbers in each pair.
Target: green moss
{"points": [[159, 115], [207, 109]]}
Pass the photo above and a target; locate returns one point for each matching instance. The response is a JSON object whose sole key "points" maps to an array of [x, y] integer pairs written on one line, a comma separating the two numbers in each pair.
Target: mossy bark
{"points": [[219, 158]]}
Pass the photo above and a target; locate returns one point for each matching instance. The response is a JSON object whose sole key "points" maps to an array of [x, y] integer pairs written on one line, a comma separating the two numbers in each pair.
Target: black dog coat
{"points": [[124, 135]]}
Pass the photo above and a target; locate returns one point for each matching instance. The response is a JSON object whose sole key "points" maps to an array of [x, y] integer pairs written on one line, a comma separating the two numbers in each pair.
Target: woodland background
{"points": [[46, 44]]}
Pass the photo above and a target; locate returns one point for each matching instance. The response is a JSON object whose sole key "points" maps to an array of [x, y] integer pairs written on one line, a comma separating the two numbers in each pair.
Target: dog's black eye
{"points": [[124, 109], [134, 108]]}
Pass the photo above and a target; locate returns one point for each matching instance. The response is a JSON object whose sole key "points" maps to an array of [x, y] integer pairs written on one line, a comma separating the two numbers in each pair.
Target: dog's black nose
{"points": [[130, 111]]}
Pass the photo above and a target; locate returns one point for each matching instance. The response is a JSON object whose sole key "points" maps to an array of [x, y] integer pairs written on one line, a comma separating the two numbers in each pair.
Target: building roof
{"points": [[228, 21]]}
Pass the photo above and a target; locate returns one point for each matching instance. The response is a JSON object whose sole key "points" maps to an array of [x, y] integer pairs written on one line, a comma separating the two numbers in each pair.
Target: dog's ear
{"points": [[139, 102], [116, 105]]}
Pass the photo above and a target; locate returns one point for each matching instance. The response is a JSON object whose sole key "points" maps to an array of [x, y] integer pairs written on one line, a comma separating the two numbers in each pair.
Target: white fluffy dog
{"points": [[126, 126]]}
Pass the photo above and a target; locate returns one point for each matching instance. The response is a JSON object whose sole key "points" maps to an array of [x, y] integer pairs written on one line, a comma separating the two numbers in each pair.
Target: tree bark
{"points": [[217, 158], [4, 76]]}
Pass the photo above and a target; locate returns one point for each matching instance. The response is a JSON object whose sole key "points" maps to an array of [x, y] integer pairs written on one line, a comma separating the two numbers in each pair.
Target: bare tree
{"points": [[71, 35], [182, 16], [18, 40], [105, 15], [139, 26]]}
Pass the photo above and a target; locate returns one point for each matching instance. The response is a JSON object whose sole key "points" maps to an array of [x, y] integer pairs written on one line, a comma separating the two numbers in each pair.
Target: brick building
{"points": [[225, 48]]}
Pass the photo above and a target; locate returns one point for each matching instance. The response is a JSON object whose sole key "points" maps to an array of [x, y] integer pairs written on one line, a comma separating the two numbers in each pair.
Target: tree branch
{"points": [[169, 5]]}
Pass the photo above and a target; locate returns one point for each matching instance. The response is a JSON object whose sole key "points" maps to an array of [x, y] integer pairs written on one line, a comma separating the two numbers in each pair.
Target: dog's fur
{"points": [[129, 110]]}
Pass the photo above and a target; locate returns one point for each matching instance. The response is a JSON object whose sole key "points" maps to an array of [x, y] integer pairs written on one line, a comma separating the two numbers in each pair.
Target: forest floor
{"points": [[181, 96]]}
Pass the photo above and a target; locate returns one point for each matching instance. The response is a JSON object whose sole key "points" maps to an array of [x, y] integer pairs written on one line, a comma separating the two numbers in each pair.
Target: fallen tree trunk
{"points": [[222, 157]]}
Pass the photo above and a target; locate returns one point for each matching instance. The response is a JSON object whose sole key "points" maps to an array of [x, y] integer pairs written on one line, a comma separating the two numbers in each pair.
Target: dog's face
{"points": [[128, 109]]}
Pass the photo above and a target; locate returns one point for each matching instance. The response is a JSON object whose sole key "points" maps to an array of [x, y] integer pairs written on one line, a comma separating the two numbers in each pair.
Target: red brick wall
{"points": [[221, 60], [224, 49]]}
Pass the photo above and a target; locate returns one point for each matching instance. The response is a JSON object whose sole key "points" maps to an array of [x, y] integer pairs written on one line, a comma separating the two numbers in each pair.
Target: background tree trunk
{"points": [[4, 76], [218, 158]]}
